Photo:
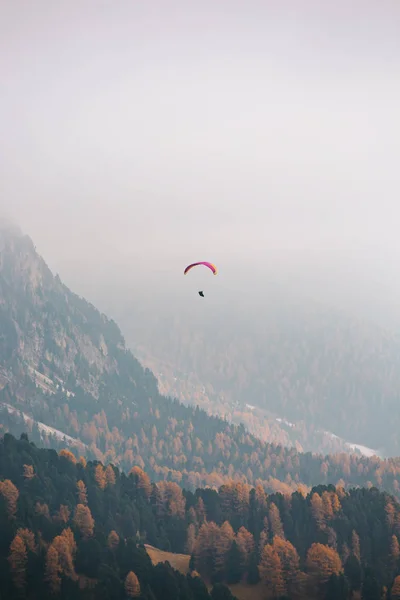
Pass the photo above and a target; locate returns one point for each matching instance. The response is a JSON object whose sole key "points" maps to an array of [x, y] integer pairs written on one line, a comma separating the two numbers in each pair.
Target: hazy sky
{"points": [[176, 130]]}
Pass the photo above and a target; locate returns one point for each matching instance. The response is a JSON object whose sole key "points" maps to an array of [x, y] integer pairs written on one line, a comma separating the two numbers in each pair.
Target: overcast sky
{"points": [[176, 130]]}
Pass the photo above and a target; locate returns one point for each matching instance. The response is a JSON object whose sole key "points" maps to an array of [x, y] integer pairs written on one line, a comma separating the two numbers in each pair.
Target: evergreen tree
{"points": [[234, 564], [198, 588], [352, 570], [337, 587], [221, 592], [370, 588], [253, 575]]}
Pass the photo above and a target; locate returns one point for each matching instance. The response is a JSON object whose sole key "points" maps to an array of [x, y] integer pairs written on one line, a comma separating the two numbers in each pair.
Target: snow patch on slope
{"points": [[44, 429], [365, 451]]}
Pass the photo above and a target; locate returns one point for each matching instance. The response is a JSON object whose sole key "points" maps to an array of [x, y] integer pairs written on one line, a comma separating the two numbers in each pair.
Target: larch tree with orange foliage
{"points": [[224, 541], [63, 514], [113, 540], [345, 553], [132, 585], [29, 472], [275, 521], [271, 574], [142, 480], [327, 505], [390, 513], [191, 538], [394, 554], [335, 502], [317, 510], [110, 476], [68, 455], [355, 545], [192, 517], [69, 536], [53, 570], [10, 494], [172, 499], [246, 546], [261, 497], [83, 520], [66, 548], [100, 476], [290, 562], [395, 591], [18, 559], [42, 509], [28, 538], [264, 535], [321, 563], [82, 492]]}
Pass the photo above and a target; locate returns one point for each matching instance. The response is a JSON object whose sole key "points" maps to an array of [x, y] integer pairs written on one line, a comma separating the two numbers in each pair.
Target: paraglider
{"points": [[205, 263], [211, 266]]}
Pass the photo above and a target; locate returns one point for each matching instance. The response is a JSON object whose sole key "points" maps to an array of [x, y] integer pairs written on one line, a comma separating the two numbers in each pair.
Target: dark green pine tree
{"points": [[109, 584], [253, 574], [370, 588], [164, 582], [337, 588], [234, 564], [221, 592], [148, 594], [198, 588], [352, 570]]}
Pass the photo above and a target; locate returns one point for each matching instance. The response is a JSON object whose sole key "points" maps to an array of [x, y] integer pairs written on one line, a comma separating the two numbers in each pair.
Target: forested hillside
{"points": [[76, 528], [65, 366], [288, 357]]}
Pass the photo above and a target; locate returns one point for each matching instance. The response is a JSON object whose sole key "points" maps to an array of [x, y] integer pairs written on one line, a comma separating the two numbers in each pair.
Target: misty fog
{"points": [[263, 136]]}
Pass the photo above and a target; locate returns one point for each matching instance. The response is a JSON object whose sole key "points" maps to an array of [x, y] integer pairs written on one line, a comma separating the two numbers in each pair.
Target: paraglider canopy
{"points": [[205, 263]]}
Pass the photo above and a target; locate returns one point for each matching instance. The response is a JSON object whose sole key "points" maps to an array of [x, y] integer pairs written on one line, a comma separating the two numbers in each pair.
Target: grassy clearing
{"points": [[180, 562], [244, 591]]}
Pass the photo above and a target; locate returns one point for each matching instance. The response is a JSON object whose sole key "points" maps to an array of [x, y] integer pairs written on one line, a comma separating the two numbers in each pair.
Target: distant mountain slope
{"points": [[260, 421], [65, 371], [309, 365]]}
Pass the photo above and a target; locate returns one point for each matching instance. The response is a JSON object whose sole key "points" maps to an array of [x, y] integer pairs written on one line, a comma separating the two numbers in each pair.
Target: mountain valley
{"points": [[68, 378]]}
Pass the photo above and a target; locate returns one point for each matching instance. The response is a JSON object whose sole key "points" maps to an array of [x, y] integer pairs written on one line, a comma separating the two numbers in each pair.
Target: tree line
{"points": [[75, 527]]}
